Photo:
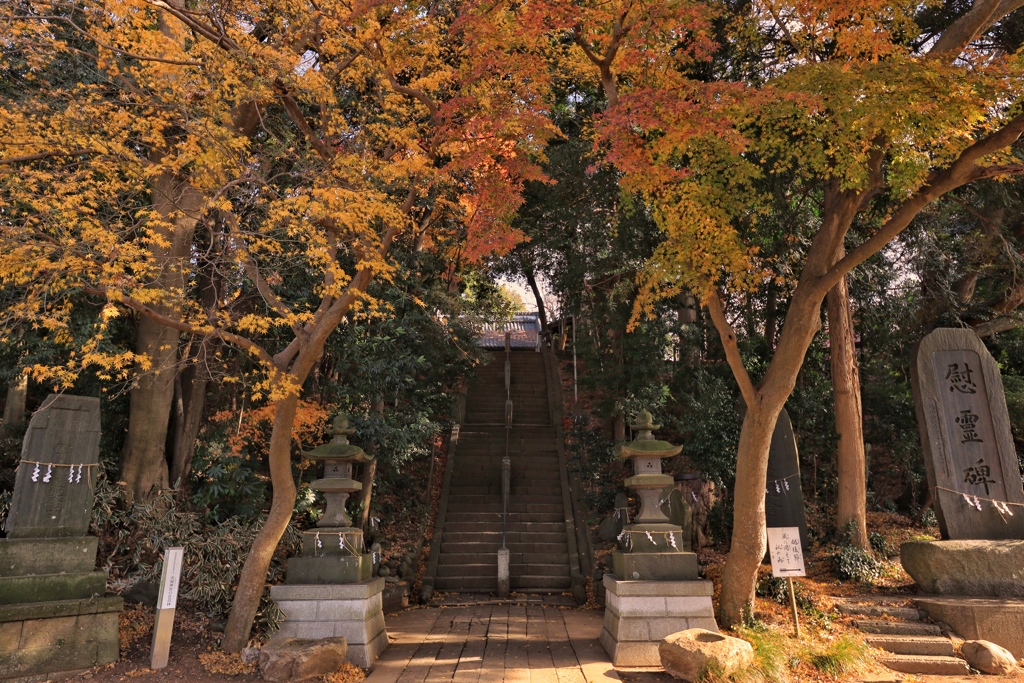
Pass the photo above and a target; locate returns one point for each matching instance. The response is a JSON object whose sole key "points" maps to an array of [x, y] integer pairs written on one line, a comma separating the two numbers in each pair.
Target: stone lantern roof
{"points": [[645, 445], [338, 448]]}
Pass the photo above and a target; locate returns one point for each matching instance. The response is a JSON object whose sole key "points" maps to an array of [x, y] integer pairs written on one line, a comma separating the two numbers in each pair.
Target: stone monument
{"points": [[975, 575], [654, 590], [54, 616], [784, 498], [329, 591]]}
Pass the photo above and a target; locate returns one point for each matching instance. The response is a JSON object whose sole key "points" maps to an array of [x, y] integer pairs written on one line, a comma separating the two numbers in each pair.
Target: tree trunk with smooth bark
{"points": [[252, 582], [851, 509], [14, 408]]}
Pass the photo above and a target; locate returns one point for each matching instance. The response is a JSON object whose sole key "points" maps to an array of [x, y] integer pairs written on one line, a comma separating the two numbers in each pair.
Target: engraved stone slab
{"points": [[53, 489], [784, 498], [965, 430]]}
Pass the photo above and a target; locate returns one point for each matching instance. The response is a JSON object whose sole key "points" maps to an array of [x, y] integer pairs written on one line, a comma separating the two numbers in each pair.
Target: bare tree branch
{"points": [[732, 350], [982, 15]]}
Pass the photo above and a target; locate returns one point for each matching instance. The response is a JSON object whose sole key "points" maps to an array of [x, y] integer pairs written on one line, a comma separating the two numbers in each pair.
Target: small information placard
{"points": [[169, 578], [164, 626], [786, 552]]}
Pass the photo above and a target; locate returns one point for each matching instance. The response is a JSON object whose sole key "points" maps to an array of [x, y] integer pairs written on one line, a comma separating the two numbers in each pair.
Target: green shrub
{"points": [[134, 535], [854, 564], [880, 544], [773, 588]]}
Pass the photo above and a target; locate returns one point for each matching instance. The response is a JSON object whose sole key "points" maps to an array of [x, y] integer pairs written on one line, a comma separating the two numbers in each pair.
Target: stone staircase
{"points": [[536, 533], [911, 646]]}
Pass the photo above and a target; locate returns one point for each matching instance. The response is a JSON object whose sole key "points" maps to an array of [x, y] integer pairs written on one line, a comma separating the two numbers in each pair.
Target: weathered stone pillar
{"points": [[55, 617]]}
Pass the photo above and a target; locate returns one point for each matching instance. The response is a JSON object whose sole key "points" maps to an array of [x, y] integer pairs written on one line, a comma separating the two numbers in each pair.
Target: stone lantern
{"points": [[651, 548], [333, 551], [329, 591], [654, 590]]}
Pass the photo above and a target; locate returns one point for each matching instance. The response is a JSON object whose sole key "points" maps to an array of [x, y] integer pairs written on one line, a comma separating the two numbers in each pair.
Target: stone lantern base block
{"points": [[352, 611], [329, 569], [639, 614], [670, 566]]}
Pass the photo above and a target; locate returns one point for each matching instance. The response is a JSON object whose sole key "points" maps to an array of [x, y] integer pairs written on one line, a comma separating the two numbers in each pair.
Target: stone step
{"points": [[534, 582], [877, 610], [513, 522], [897, 628], [515, 558], [487, 460], [919, 664], [512, 537], [516, 503], [480, 547], [495, 527], [514, 570], [913, 645], [489, 510], [548, 488]]}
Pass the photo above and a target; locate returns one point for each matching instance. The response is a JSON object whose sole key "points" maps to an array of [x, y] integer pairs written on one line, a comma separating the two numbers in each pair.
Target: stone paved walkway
{"points": [[496, 643]]}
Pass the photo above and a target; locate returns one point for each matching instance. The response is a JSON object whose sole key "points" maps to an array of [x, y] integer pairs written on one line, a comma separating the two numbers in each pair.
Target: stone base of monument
{"points": [[352, 610], [638, 614], [966, 567], [332, 569], [669, 566], [50, 640], [998, 620]]}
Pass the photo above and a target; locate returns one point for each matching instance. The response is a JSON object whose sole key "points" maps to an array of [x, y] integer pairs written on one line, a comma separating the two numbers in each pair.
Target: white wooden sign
{"points": [[170, 577], [786, 553], [168, 600]]}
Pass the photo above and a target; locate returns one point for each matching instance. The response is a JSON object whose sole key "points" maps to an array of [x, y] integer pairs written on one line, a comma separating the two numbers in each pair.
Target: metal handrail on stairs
{"points": [[506, 475]]}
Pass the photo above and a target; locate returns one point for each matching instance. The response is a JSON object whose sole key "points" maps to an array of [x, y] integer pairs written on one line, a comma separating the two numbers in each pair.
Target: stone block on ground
{"points": [[988, 658], [352, 611], [690, 654], [999, 620], [294, 659], [966, 567], [638, 614]]}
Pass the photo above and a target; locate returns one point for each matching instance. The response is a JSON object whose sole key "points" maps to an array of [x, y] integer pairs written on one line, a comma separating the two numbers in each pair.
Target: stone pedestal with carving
{"points": [[55, 618], [328, 590], [654, 590]]}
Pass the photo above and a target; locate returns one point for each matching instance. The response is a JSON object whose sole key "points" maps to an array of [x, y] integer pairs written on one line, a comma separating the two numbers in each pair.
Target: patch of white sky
{"points": [[520, 288]]}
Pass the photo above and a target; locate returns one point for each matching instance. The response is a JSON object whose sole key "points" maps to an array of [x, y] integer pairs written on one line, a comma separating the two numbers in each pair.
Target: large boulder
{"points": [[688, 654], [988, 657], [296, 659], [966, 567]]}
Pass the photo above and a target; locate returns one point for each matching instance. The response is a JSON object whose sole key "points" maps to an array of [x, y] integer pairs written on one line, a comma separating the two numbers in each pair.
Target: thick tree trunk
{"points": [[144, 462], [254, 572], [749, 540], [14, 409], [851, 465], [190, 399]]}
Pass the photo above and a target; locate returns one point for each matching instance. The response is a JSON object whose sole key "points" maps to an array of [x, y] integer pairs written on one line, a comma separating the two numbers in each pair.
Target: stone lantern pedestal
{"points": [[654, 591], [330, 591]]}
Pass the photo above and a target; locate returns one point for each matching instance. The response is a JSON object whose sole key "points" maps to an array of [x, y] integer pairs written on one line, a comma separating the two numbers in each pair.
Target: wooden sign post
{"points": [[166, 603], [787, 560]]}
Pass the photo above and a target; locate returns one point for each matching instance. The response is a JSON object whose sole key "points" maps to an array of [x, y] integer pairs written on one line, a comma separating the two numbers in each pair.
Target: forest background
{"points": [[232, 222]]}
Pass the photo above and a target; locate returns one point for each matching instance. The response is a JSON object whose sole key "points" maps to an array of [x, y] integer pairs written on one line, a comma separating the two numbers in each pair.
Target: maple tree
{"points": [[853, 101], [294, 136]]}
